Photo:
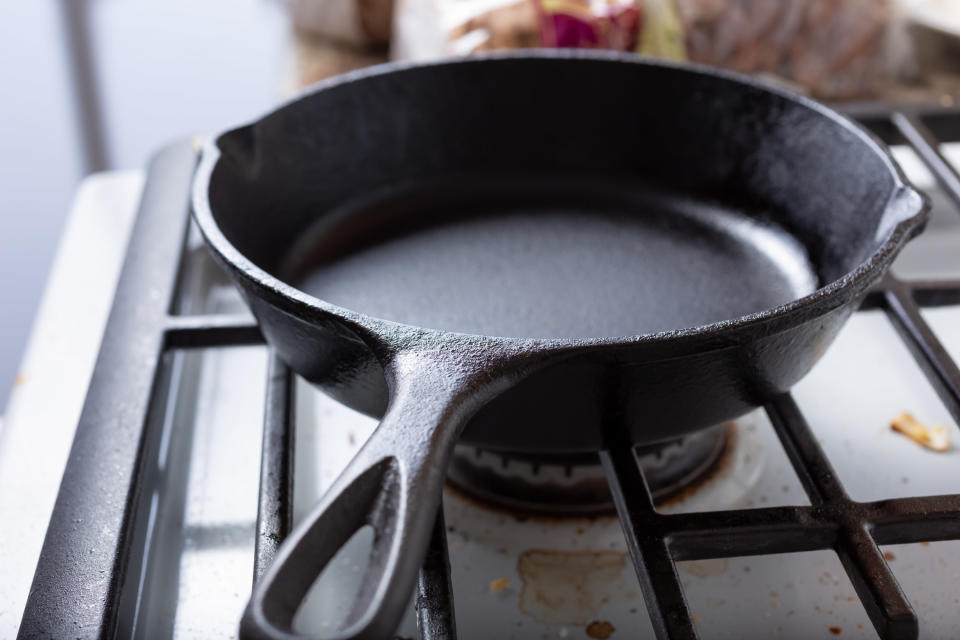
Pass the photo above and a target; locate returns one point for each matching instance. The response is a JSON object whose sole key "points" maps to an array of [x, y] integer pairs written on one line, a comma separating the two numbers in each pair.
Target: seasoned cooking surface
{"points": [[562, 271]]}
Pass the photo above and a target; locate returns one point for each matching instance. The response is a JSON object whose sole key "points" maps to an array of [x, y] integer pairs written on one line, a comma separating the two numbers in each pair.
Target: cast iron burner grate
{"points": [[85, 581]]}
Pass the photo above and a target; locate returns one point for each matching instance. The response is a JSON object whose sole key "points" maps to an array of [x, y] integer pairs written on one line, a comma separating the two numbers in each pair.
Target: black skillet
{"points": [[656, 248]]}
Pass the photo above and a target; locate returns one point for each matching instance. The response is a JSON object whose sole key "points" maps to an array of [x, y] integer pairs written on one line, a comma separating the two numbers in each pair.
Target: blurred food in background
{"points": [[831, 49], [335, 36], [935, 33], [316, 58], [613, 24], [353, 23]]}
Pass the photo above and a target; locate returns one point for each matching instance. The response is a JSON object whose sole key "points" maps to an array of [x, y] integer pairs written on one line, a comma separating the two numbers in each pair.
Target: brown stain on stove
{"points": [[20, 380], [499, 585], [569, 587], [705, 568], [600, 629]]}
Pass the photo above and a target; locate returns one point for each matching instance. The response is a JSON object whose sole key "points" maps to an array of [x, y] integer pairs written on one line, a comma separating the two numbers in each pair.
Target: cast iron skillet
{"points": [[528, 252]]}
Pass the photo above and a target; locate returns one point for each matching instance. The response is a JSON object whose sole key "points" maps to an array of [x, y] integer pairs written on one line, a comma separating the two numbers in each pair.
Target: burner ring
{"points": [[575, 484]]}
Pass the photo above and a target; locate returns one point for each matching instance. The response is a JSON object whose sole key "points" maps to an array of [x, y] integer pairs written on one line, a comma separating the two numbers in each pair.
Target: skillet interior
{"points": [[547, 258]]}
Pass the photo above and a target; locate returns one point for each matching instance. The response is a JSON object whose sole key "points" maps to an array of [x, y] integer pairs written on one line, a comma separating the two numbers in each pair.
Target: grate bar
{"points": [[721, 534], [203, 331], [813, 468], [275, 507], [912, 520], [884, 601], [92, 531], [935, 293], [926, 348], [435, 610], [878, 589], [748, 532], [925, 293], [876, 116], [649, 550], [916, 133]]}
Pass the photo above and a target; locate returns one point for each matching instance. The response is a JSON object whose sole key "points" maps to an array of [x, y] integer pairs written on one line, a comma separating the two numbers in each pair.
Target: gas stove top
{"points": [[196, 451]]}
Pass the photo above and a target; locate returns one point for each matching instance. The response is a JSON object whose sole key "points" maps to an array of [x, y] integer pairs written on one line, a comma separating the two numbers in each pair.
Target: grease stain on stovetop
{"points": [[600, 629], [705, 568], [570, 587]]}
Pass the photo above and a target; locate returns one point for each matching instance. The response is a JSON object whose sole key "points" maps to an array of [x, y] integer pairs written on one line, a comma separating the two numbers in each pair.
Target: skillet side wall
{"points": [[568, 407], [570, 403], [326, 352]]}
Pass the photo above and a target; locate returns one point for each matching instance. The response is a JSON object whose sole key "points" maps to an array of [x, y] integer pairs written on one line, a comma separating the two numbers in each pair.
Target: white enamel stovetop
{"points": [[560, 575]]}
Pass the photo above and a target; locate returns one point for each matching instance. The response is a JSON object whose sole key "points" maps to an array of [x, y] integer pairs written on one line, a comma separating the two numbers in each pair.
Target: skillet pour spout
{"points": [[537, 252]]}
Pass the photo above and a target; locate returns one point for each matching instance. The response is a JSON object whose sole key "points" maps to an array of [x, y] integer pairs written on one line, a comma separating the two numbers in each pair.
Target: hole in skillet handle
{"points": [[394, 485], [372, 495], [327, 605]]}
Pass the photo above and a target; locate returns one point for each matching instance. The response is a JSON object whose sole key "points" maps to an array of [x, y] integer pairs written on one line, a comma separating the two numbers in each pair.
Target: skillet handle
{"points": [[394, 484]]}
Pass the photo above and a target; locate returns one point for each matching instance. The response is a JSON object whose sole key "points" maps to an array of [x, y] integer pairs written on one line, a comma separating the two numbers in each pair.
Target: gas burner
{"points": [[575, 484]]}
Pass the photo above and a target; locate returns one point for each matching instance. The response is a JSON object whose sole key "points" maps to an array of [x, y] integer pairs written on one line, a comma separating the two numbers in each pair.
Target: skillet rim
{"points": [[912, 204]]}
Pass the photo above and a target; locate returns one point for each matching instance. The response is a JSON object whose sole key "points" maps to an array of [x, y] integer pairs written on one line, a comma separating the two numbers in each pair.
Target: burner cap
{"points": [[576, 484]]}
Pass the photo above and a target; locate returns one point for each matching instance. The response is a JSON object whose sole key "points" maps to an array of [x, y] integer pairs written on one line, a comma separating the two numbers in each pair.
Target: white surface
{"points": [[201, 570], [44, 407]]}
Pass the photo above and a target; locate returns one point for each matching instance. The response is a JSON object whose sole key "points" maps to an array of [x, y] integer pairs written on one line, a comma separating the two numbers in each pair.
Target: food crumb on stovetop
{"points": [[935, 439], [600, 629], [498, 585], [836, 630], [888, 556]]}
